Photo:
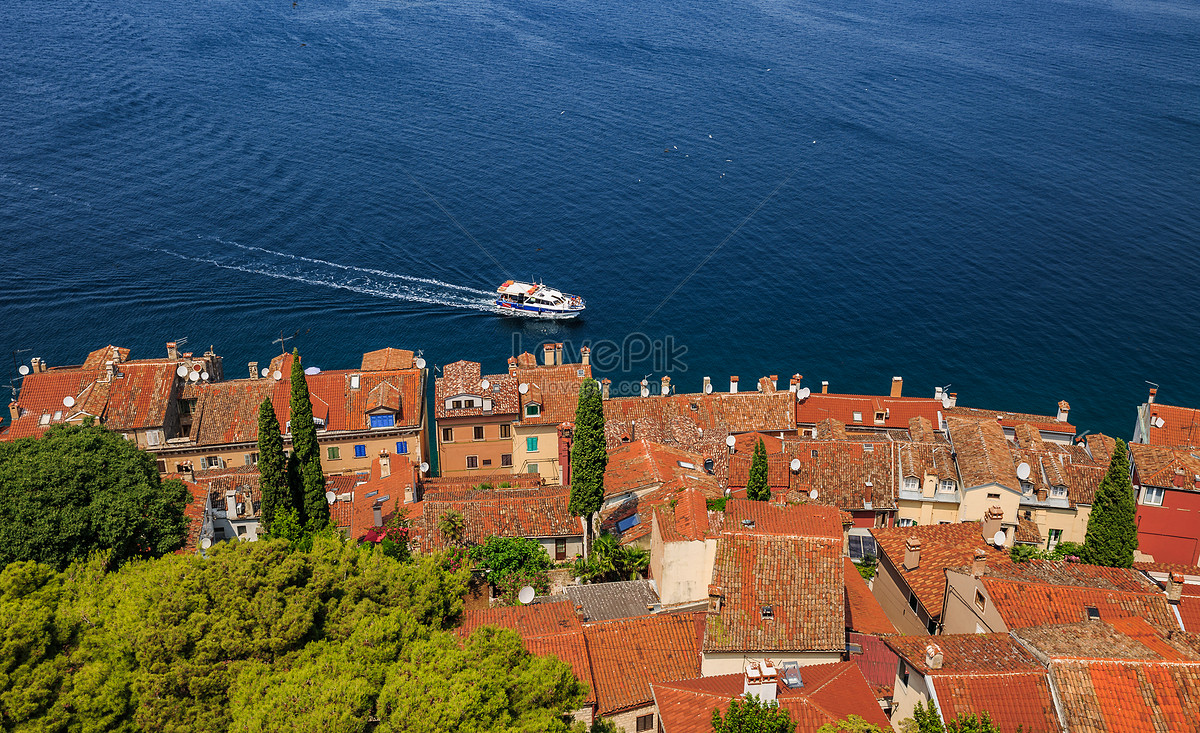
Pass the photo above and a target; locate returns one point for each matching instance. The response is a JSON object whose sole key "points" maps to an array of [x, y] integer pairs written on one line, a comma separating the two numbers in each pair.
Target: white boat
{"points": [[536, 301]]}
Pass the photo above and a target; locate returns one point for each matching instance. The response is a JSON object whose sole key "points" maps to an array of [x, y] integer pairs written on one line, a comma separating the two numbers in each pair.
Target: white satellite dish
{"points": [[645, 391], [424, 467], [708, 388], [999, 539], [813, 495], [330, 497], [526, 594], [730, 440], [523, 388], [312, 370], [795, 464], [945, 403], [1159, 422], [266, 371], [205, 543], [420, 362], [68, 401], [194, 376], [1023, 470], [802, 394], [485, 384], [277, 375], [204, 376], [182, 371], [23, 370]]}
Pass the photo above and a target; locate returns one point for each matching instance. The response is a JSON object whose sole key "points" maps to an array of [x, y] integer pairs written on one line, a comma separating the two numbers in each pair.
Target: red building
{"points": [[1166, 482]]}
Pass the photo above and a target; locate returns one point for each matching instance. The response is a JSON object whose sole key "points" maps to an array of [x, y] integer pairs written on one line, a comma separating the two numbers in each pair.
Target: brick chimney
{"points": [[1174, 588], [558, 353], [1064, 409], [605, 388], [566, 433], [933, 656], [1178, 479], [825, 386], [1153, 392], [548, 354], [766, 386], [775, 382], [172, 351], [897, 386], [253, 369], [585, 356], [385, 464], [979, 564], [13, 411], [512, 365], [666, 385], [912, 553], [733, 382]]}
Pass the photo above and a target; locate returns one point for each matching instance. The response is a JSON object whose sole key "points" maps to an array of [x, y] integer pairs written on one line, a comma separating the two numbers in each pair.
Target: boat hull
{"points": [[525, 310]]}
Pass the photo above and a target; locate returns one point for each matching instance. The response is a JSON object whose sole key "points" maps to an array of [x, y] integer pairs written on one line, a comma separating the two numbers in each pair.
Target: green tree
{"points": [[1112, 530], [451, 526], [927, 719], [589, 456], [83, 488], [852, 724], [314, 509], [272, 465], [756, 486], [609, 561], [604, 725], [396, 537], [752, 715], [513, 562]]}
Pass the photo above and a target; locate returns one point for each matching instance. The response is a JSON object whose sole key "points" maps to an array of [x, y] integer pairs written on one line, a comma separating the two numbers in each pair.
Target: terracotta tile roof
{"points": [[139, 399], [927, 454], [98, 358], [540, 512], [643, 463], [465, 378], [1073, 574], [41, 397], [1128, 697], [554, 388], [383, 396], [1027, 532], [1115, 638], [1181, 425], [227, 412], [942, 546], [897, 411], [847, 474], [387, 360], [863, 612], [831, 692], [800, 579], [1162, 466], [194, 511], [547, 627], [1034, 604], [628, 655], [787, 520], [433, 486], [965, 654], [688, 520], [1013, 700], [1044, 423], [983, 453]]}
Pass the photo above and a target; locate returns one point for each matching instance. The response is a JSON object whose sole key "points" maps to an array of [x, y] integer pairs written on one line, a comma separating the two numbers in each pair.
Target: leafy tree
{"points": [[604, 725], [610, 561], [396, 535], [272, 465], [513, 562], [868, 566], [589, 456], [927, 719], [306, 452], [715, 505], [752, 715], [756, 486], [451, 526], [83, 488], [1112, 529], [1025, 553], [852, 724]]}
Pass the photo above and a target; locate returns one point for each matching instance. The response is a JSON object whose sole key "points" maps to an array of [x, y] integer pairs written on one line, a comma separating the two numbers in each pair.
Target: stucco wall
{"points": [[975, 502], [716, 663], [927, 512], [546, 456], [683, 570], [892, 594], [905, 698], [452, 456], [962, 615], [627, 721], [574, 545]]}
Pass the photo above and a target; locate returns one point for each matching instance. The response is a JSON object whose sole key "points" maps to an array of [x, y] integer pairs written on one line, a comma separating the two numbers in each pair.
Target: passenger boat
{"points": [[537, 301]]}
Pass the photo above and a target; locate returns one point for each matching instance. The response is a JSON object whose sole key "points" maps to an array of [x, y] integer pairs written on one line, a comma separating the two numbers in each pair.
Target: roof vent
{"points": [[1093, 613], [768, 612], [748, 523]]}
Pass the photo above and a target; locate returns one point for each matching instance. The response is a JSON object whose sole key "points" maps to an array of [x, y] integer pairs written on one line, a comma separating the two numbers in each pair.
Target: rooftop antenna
{"points": [[282, 341], [181, 342], [16, 368]]}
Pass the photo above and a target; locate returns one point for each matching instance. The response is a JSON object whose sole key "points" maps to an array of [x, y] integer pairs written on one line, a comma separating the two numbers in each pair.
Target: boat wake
{"points": [[229, 255]]}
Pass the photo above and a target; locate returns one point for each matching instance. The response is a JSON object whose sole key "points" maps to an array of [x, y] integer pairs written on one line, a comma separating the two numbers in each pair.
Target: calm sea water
{"points": [[1004, 197]]}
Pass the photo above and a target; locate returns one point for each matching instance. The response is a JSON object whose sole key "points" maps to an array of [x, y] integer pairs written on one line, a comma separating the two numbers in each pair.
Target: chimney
{"points": [[35, 364], [897, 386], [666, 386], [794, 383], [716, 594], [1042, 494], [1063, 410], [548, 354], [1178, 479], [953, 399], [253, 369], [13, 411], [605, 388], [1153, 391], [933, 656], [172, 351], [937, 393], [585, 356], [752, 682], [992, 520], [775, 382], [110, 370], [377, 514], [979, 564], [566, 434], [558, 354], [385, 464], [769, 686], [733, 385], [912, 553], [231, 504], [1174, 588], [766, 386], [707, 386], [512, 365], [825, 386]]}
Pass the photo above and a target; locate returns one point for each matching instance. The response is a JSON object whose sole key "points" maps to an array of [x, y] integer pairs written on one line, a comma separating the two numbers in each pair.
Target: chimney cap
{"points": [[980, 554], [913, 543]]}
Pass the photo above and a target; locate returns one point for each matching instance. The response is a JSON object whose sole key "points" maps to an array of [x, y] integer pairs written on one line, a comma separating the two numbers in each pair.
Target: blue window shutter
{"points": [[401, 447], [360, 451]]}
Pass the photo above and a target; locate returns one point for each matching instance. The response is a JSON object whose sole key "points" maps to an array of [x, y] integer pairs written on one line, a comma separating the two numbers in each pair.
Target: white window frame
{"points": [[912, 483], [1157, 491], [947, 486]]}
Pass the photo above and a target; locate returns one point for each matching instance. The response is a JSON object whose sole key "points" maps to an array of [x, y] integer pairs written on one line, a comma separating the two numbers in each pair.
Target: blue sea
{"points": [[1003, 197]]}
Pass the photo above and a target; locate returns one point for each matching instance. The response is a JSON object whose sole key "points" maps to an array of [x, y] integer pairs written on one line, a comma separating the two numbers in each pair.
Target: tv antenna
{"points": [[282, 341], [16, 368]]}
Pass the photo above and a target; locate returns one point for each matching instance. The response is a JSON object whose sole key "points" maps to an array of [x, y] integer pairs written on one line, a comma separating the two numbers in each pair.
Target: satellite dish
{"points": [[526, 594], [23, 370], [204, 376], [999, 539], [266, 371], [424, 467], [277, 375], [194, 376], [312, 370], [813, 494], [802, 394], [330, 497], [1023, 471], [420, 362], [708, 388], [795, 464], [645, 391], [68, 401], [181, 371], [730, 440], [523, 388], [485, 384], [945, 403], [205, 543]]}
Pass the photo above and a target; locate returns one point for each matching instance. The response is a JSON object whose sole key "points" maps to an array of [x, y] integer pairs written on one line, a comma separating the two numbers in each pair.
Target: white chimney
{"points": [[752, 681], [733, 381], [666, 386], [707, 386], [953, 399], [825, 386], [769, 688], [231, 504], [937, 393], [253, 369], [933, 656], [1063, 410], [385, 464], [912, 553]]}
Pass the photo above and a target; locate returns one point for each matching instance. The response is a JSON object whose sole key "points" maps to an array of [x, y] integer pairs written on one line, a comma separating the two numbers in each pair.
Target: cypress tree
{"points": [[756, 486], [310, 480], [1112, 527], [272, 465], [588, 454]]}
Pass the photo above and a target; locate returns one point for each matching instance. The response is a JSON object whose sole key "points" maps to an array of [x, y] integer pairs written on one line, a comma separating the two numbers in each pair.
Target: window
{"points": [[487, 461], [994, 497], [241, 530], [1026, 487], [862, 545], [153, 437], [858, 417], [162, 466], [1054, 538], [1153, 495], [354, 381], [506, 459], [383, 421], [1058, 492], [472, 461], [906, 522], [506, 431], [980, 601], [447, 435], [931, 627], [210, 462], [533, 468], [360, 451], [645, 722], [868, 447], [947, 485], [533, 410], [880, 417], [478, 432], [1093, 613], [531, 444], [252, 459], [401, 447], [456, 405], [912, 601], [902, 673], [45, 419], [219, 533], [814, 453], [912, 483], [560, 549], [628, 523], [333, 453]]}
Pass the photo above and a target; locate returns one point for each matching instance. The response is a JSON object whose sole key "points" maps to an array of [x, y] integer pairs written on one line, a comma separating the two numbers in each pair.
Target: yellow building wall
{"points": [[546, 456], [452, 456], [975, 502], [927, 512]]}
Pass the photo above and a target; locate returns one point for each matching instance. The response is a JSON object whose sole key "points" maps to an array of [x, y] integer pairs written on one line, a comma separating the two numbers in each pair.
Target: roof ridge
{"points": [[996, 578]]}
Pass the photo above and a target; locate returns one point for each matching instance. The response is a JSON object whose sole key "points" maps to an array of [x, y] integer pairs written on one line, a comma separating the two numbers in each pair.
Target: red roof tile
{"points": [[628, 655], [966, 654], [540, 512], [643, 463], [1033, 604], [465, 378], [1044, 423], [747, 517], [863, 612], [555, 389], [1158, 465], [1181, 425], [1128, 697], [387, 360], [847, 474], [897, 411], [140, 397]]}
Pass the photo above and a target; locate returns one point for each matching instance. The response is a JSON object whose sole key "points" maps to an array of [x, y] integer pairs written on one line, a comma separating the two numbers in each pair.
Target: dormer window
{"points": [[383, 421], [533, 409], [880, 418], [768, 612], [947, 486], [1058, 492], [912, 483], [456, 405], [1026, 487]]}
